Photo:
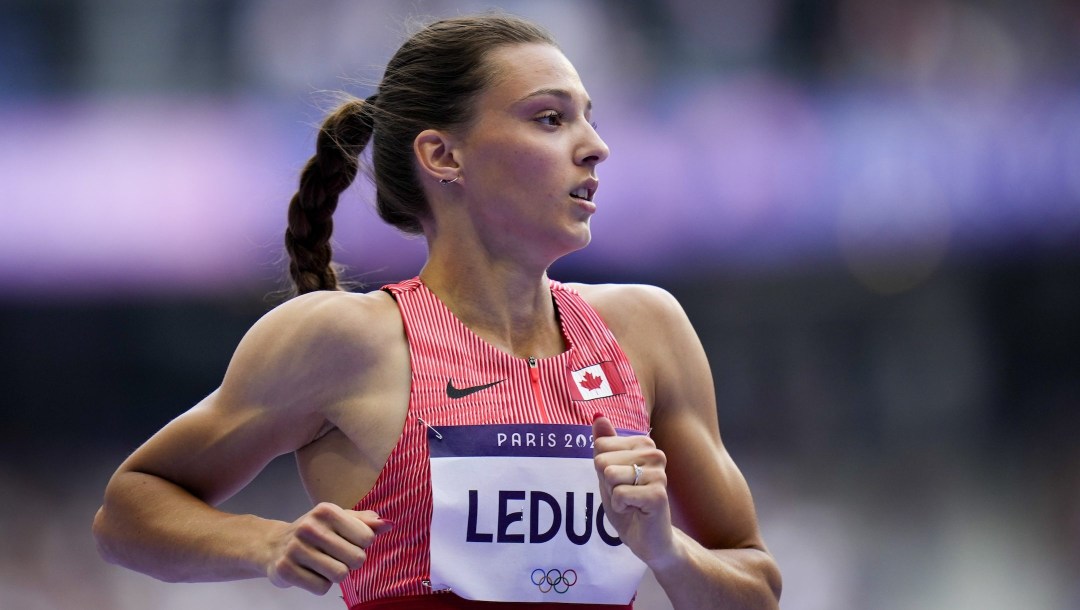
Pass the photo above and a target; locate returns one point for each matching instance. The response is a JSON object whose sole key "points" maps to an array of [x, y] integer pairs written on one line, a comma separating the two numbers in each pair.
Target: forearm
{"points": [[695, 577], [156, 527]]}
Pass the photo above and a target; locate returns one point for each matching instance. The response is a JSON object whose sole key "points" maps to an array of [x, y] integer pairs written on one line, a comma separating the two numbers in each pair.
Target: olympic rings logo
{"points": [[556, 580]]}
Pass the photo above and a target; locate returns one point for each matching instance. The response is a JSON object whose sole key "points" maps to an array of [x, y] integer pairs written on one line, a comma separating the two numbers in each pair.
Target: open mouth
{"points": [[583, 193]]}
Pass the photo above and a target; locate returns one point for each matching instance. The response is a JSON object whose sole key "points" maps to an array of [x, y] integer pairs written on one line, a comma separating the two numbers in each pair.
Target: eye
{"points": [[595, 125], [552, 118]]}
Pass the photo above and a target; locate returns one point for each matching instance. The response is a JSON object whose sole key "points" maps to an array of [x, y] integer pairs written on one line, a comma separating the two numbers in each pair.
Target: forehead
{"points": [[522, 69]]}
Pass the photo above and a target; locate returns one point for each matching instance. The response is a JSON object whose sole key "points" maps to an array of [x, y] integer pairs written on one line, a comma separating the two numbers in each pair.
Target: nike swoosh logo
{"points": [[456, 393]]}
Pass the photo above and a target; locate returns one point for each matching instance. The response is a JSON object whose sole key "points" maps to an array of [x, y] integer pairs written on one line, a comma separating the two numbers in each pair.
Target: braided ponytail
{"points": [[431, 82], [331, 170]]}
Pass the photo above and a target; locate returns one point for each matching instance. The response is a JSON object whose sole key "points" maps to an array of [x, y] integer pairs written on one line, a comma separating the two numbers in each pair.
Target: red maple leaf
{"points": [[591, 383]]}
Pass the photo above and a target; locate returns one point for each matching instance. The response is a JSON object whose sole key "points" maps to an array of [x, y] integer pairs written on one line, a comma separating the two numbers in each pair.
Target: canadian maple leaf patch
{"points": [[591, 382], [598, 380]]}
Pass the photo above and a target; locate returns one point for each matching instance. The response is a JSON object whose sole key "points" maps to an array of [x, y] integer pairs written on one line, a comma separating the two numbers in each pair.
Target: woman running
{"points": [[479, 436]]}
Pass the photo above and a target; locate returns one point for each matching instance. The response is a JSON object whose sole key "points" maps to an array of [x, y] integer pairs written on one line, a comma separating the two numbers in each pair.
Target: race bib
{"points": [[517, 517]]}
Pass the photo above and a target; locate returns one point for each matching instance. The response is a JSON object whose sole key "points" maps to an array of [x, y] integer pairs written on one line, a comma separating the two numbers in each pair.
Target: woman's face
{"points": [[528, 160]]}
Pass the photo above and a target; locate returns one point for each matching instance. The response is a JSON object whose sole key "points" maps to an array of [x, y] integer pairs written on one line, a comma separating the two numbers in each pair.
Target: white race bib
{"points": [[518, 518]]}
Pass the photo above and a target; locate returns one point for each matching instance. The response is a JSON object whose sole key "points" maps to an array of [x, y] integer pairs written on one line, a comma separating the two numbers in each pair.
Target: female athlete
{"points": [[479, 436]]}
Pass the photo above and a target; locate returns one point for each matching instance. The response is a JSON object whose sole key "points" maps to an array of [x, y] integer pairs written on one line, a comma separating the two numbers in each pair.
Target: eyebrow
{"points": [[559, 93]]}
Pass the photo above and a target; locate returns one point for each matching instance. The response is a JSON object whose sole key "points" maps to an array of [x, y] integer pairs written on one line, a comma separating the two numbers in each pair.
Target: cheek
{"points": [[522, 168], [533, 169]]}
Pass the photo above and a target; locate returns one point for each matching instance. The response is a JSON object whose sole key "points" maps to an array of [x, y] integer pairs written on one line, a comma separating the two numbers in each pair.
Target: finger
{"points": [[645, 455], [321, 567], [641, 487], [648, 499], [602, 427], [341, 534], [290, 571], [630, 442], [351, 526], [316, 537], [370, 518], [626, 474]]}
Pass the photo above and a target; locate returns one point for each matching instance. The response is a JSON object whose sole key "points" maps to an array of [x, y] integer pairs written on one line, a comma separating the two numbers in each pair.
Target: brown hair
{"points": [[430, 83]]}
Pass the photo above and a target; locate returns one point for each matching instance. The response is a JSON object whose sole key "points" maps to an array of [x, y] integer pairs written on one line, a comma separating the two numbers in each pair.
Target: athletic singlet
{"points": [[461, 383]]}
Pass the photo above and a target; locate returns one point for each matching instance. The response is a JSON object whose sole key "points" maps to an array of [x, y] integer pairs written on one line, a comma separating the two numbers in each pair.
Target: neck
{"points": [[506, 304]]}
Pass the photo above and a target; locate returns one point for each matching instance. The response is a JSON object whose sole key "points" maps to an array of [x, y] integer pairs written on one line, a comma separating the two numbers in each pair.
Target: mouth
{"points": [[585, 192]]}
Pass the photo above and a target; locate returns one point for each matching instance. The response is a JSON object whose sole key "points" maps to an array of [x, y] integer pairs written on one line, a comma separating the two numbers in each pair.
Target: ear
{"points": [[434, 152]]}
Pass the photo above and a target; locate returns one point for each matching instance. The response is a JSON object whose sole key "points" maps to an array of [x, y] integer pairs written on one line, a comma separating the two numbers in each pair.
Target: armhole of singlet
{"points": [[408, 410]]}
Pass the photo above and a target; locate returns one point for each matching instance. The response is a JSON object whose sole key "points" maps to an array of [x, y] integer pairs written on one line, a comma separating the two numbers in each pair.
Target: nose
{"points": [[593, 149]]}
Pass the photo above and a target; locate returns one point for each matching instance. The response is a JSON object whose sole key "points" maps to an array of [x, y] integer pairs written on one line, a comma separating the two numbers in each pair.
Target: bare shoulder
{"points": [[331, 317], [649, 325], [326, 325], [624, 306], [322, 342]]}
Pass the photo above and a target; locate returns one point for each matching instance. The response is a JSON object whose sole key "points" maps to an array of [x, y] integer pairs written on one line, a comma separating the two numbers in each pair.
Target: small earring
{"points": [[445, 181]]}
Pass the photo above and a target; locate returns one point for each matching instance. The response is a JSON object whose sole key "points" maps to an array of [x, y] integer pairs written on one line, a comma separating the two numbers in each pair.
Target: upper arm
{"points": [[272, 400], [710, 498]]}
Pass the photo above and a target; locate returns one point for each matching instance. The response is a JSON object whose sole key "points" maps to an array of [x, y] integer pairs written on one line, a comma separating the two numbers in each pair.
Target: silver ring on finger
{"points": [[637, 474]]}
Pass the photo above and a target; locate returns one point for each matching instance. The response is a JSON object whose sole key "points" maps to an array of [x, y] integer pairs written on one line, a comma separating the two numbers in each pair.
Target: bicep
{"points": [[710, 498], [268, 404], [217, 447]]}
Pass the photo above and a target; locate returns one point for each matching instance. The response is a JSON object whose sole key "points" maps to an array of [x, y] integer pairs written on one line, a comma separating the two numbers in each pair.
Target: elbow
{"points": [[108, 539], [100, 530], [762, 583], [773, 583], [762, 592], [111, 547]]}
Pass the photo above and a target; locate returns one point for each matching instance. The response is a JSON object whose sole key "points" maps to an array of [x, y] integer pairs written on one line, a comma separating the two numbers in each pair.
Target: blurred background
{"points": [[869, 209]]}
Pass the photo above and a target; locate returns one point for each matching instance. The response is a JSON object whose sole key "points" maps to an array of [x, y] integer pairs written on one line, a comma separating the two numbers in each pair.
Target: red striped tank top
{"points": [[447, 360]]}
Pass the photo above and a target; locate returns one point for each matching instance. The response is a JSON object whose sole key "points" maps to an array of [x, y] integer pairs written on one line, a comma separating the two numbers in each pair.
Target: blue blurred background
{"points": [[869, 209]]}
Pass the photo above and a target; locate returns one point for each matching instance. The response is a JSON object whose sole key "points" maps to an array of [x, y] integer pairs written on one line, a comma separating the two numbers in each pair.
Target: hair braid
{"points": [[431, 82], [331, 170]]}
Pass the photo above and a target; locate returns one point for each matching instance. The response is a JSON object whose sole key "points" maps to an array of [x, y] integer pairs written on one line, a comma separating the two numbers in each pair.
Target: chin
{"points": [[582, 239], [570, 240]]}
